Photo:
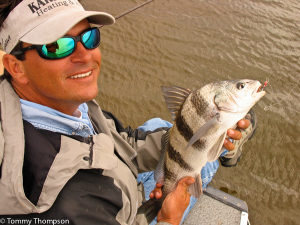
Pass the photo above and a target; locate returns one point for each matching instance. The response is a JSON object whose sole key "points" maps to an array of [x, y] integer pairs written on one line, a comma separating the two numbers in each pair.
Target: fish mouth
{"points": [[257, 93]]}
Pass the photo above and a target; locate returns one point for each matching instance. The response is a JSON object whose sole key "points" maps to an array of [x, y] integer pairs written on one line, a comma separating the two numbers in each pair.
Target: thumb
{"points": [[184, 183]]}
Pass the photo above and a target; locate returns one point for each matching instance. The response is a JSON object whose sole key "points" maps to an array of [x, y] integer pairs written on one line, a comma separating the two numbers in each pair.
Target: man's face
{"points": [[64, 83]]}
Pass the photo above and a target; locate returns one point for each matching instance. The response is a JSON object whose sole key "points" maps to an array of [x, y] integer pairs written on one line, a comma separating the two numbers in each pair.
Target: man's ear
{"points": [[15, 68]]}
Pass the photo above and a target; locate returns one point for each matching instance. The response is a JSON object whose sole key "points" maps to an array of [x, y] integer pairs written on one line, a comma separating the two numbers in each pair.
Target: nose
{"points": [[81, 54]]}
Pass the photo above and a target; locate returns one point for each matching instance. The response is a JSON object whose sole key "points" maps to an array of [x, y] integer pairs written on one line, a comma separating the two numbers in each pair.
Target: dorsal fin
{"points": [[174, 98]]}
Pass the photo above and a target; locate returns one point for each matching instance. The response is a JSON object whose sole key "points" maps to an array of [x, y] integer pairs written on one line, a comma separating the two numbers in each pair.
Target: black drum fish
{"points": [[201, 120]]}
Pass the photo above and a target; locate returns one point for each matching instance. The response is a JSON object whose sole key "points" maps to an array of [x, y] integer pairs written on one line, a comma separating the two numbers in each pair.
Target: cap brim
{"points": [[58, 26]]}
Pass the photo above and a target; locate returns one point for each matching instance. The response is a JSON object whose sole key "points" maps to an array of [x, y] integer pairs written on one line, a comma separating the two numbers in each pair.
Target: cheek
{"points": [[48, 73], [40, 67], [45, 77], [97, 57]]}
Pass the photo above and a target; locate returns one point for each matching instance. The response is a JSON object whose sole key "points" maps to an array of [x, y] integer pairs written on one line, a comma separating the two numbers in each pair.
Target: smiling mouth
{"points": [[81, 75]]}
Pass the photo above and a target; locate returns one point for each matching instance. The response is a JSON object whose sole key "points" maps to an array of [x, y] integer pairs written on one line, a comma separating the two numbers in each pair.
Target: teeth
{"points": [[81, 75]]}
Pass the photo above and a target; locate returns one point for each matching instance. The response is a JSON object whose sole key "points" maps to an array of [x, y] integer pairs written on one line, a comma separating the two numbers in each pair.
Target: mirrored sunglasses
{"points": [[66, 45]]}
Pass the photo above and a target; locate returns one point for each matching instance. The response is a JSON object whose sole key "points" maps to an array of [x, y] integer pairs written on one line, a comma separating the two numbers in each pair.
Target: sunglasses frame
{"points": [[76, 39]]}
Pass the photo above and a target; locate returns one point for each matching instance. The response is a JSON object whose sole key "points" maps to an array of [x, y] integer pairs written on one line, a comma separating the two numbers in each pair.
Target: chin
{"points": [[89, 95]]}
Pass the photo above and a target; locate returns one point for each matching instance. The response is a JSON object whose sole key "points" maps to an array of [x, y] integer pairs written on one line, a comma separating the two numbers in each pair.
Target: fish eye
{"points": [[240, 85]]}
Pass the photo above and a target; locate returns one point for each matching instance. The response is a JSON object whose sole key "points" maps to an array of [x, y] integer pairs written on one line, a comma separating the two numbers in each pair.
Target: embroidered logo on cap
{"points": [[5, 42], [40, 7]]}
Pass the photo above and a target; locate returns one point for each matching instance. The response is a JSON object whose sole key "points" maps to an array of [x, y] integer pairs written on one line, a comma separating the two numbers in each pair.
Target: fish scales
{"points": [[200, 103], [201, 119], [176, 156], [186, 132], [195, 108], [196, 111]]}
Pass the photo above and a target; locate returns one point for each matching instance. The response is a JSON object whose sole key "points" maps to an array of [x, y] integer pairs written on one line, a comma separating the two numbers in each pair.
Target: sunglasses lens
{"points": [[59, 49], [91, 38], [65, 46]]}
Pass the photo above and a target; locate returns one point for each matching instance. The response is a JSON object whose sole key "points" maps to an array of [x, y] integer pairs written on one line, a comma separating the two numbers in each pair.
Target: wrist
{"points": [[163, 223], [169, 221]]}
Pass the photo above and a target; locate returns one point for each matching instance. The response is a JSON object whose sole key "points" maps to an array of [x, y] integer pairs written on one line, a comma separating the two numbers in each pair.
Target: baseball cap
{"points": [[40, 22]]}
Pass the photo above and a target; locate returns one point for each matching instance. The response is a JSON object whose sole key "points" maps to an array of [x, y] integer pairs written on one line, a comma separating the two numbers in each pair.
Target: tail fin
{"points": [[150, 209]]}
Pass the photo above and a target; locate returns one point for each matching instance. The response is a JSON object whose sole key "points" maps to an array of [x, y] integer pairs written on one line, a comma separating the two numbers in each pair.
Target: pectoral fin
{"points": [[217, 149], [208, 128]]}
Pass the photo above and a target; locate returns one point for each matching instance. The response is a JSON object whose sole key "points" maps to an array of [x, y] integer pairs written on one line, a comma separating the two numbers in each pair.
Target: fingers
{"points": [[232, 134], [176, 203], [181, 190], [243, 124], [229, 145], [159, 185], [156, 193], [184, 183], [235, 134]]}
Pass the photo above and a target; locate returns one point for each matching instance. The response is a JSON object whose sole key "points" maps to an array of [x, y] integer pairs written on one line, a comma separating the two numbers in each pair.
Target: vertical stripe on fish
{"points": [[176, 157], [169, 175], [186, 132], [183, 128], [199, 102]]}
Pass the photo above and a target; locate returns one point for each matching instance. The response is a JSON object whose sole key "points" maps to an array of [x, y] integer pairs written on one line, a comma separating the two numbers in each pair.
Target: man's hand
{"points": [[176, 202], [156, 193], [235, 134]]}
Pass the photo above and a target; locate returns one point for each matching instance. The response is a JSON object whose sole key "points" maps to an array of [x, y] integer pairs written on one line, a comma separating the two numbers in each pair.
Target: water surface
{"points": [[190, 43]]}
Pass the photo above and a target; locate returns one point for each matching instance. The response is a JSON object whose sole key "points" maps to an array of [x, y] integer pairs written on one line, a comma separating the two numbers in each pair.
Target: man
{"points": [[62, 158]]}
